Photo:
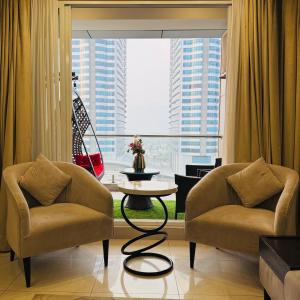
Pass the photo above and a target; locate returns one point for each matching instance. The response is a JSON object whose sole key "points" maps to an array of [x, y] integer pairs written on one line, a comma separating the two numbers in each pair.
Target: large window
{"points": [[166, 90]]}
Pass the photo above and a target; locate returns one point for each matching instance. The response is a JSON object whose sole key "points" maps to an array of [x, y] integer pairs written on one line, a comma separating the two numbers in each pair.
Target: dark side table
{"points": [[137, 202], [281, 254]]}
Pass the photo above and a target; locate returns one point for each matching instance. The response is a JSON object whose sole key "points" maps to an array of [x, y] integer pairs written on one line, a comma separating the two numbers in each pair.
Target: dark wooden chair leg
{"points": [[266, 295], [192, 254], [12, 255], [175, 215], [27, 270], [105, 244]]}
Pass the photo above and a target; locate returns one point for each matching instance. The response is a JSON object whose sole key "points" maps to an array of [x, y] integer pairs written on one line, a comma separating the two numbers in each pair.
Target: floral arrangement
{"points": [[136, 147]]}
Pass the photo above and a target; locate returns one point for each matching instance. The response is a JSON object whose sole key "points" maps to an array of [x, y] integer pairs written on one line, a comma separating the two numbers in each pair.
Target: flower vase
{"points": [[139, 163]]}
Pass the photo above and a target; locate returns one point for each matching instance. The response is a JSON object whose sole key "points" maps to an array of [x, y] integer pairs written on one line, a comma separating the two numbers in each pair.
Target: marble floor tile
{"points": [[203, 297], [240, 277], [25, 295], [116, 280], [201, 280], [137, 296], [17, 296], [4, 258], [181, 249], [59, 275], [217, 274], [9, 271], [245, 298]]}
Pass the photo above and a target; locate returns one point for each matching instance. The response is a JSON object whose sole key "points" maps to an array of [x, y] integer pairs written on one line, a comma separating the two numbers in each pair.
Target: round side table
{"points": [[155, 189], [138, 202]]}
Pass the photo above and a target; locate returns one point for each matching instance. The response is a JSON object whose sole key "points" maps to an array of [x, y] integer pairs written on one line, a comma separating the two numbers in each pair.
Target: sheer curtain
{"points": [[51, 79], [15, 92]]}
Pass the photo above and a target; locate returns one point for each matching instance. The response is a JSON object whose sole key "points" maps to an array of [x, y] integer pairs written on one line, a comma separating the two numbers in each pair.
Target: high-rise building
{"points": [[101, 67], [194, 97]]}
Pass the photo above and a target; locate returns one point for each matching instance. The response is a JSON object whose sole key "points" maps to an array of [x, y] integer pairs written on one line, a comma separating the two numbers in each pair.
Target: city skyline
{"points": [[152, 86], [101, 68], [144, 88], [195, 97]]}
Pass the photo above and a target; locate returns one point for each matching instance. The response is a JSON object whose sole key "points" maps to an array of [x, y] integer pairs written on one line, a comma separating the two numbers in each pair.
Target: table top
{"points": [[146, 171], [287, 247], [148, 188], [281, 253]]}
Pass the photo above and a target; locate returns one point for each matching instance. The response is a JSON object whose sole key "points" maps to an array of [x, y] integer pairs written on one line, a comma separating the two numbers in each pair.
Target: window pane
{"points": [[151, 86]]}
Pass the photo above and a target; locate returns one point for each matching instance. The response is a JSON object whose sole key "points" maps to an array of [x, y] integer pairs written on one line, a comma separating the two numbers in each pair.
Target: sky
{"points": [[148, 71]]}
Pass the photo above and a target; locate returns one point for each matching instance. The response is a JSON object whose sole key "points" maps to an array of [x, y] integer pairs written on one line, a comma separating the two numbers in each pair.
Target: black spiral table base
{"points": [[141, 252]]}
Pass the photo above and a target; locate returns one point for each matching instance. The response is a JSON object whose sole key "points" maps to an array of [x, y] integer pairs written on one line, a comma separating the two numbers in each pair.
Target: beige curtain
{"points": [[51, 79], [15, 92], [253, 123], [291, 84], [233, 46]]}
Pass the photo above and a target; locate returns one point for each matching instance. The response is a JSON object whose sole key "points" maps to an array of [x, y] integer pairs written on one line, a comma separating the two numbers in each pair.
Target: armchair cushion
{"points": [[231, 227], [44, 181], [255, 183], [64, 225]]}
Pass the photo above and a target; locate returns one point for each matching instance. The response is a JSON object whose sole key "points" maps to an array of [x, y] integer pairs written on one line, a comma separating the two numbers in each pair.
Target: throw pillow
{"points": [[255, 184], [44, 181]]}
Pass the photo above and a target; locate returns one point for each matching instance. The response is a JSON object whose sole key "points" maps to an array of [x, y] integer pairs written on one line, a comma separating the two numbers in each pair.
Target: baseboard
{"points": [[174, 228]]}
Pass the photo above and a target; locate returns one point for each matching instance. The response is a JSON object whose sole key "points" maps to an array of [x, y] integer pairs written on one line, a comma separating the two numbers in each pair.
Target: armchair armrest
{"points": [[211, 191], [86, 190], [286, 210], [18, 216]]}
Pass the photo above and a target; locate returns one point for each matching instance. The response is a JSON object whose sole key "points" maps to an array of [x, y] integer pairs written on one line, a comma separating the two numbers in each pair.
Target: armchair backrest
{"points": [[285, 175], [16, 171]]}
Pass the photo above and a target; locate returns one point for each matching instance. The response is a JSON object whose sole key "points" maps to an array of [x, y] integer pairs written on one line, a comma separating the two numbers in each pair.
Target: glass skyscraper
{"points": [[194, 97], [194, 101], [101, 67]]}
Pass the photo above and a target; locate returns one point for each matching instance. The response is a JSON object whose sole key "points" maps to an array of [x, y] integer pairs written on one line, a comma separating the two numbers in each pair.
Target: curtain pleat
{"points": [[51, 86], [291, 84], [258, 117], [65, 45], [263, 85], [15, 92], [253, 114], [232, 71]]}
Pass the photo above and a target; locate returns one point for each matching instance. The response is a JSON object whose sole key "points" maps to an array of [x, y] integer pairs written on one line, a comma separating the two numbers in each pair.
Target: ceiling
{"points": [[148, 22]]}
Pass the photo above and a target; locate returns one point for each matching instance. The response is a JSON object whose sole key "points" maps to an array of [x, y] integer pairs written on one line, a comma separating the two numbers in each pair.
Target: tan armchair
{"points": [[215, 215], [83, 213]]}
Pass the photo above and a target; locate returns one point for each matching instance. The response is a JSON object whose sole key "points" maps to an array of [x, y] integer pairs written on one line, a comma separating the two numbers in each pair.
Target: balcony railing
{"points": [[168, 153]]}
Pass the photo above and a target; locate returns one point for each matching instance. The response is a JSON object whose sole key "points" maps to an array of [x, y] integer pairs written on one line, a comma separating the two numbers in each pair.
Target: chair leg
{"points": [[105, 244], [266, 295], [27, 270], [192, 254], [175, 215], [12, 255]]}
